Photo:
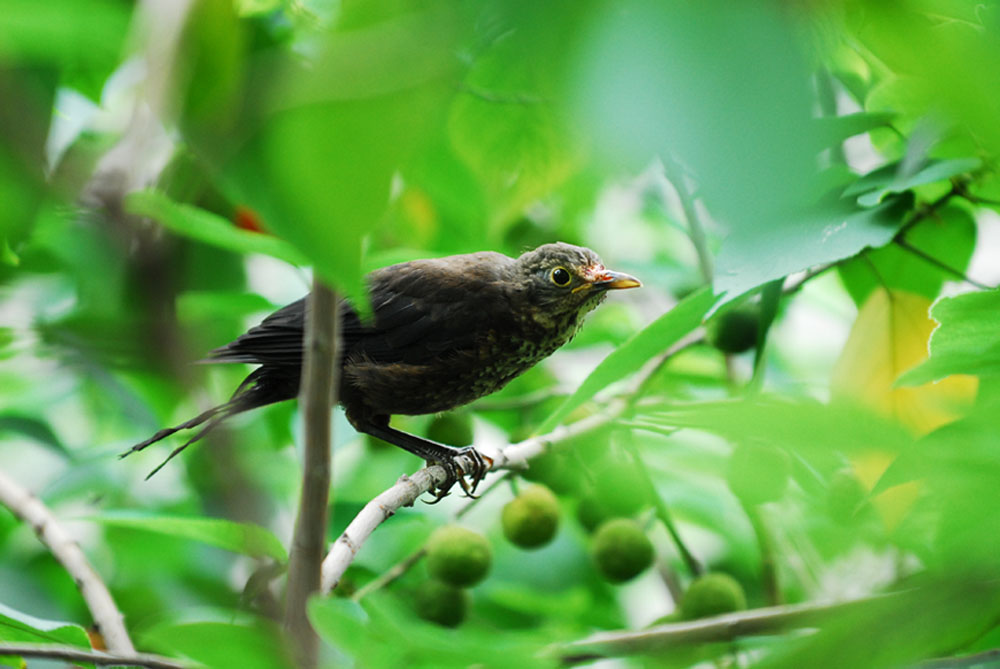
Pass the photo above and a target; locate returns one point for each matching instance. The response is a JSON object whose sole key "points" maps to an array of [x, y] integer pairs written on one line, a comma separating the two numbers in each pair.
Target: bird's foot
{"points": [[456, 474]]}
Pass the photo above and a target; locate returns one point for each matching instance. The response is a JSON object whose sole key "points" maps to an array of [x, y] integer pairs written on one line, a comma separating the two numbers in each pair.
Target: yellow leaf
{"points": [[889, 337]]}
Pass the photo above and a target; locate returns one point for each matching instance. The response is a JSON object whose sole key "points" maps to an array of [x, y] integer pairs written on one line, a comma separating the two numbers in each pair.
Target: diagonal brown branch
{"points": [[83, 656], [31, 510], [515, 456], [318, 394]]}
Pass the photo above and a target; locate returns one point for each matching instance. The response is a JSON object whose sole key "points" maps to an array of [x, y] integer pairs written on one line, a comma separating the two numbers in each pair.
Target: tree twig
{"points": [[717, 628], [413, 558], [514, 456], [409, 488], [83, 656], [318, 394], [941, 265], [107, 618], [974, 660]]}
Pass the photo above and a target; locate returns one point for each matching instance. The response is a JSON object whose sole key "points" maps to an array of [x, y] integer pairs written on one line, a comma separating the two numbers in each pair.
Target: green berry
{"points": [[712, 595], [441, 603], [454, 429], [758, 474], [621, 550], [735, 330], [531, 519], [458, 556]]}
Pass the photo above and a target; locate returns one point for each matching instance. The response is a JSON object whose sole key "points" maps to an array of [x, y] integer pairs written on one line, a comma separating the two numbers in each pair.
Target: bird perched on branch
{"points": [[444, 332]]}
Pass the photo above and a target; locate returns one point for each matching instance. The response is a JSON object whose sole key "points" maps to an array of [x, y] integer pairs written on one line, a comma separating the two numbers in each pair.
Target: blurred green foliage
{"points": [[167, 177]]}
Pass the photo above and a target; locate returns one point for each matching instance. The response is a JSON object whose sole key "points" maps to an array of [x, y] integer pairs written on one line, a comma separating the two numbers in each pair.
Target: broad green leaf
{"points": [[966, 341], [83, 39], [223, 645], [897, 630], [835, 129], [897, 177], [948, 236], [507, 125], [17, 626], [724, 88], [750, 257], [251, 540], [330, 135], [654, 339], [207, 227]]}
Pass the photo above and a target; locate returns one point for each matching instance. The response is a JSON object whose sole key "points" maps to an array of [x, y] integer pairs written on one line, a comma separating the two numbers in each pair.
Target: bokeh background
{"points": [[172, 171]]}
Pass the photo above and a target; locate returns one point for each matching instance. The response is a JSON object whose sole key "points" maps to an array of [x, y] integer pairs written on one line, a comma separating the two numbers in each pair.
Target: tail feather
{"points": [[262, 387]]}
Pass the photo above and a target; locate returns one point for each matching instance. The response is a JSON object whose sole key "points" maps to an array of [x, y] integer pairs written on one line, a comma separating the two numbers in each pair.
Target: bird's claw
{"points": [[456, 474]]}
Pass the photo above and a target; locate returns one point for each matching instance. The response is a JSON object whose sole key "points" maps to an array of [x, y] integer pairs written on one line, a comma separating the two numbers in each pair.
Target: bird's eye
{"points": [[560, 276]]}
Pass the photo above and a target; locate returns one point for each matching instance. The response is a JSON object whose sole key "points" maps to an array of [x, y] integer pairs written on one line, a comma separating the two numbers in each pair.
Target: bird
{"points": [[442, 333]]}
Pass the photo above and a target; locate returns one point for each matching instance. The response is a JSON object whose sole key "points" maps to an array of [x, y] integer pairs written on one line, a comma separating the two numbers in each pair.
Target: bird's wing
{"points": [[422, 310], [426, 309]]}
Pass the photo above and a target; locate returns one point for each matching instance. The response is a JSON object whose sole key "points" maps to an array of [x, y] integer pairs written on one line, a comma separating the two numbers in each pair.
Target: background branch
{"points": [[82, 656], [107, 618], [319, 383], [717, 628]]}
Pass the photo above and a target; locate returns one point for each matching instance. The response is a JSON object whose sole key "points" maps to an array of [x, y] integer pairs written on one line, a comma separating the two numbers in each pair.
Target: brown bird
{"points": [[444, 332]]}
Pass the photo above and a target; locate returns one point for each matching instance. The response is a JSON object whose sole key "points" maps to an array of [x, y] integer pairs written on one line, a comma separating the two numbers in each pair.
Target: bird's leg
{"points": [[435, 453]]}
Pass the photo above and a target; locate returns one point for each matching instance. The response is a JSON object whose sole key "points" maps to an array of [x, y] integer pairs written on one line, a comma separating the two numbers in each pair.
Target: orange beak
{"points": [[616, 280], [605, 279]]}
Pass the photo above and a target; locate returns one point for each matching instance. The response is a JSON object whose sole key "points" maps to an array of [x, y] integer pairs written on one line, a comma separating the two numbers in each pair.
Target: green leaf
{"points": [[244, 538], [223, 645], [506, 126], [654, 339], [207, 227], [801, 425], [967, 341], [896, 178], [948, 236], [34, 428], [331, 135], [835, 129], [750, 257], [17, 626]]}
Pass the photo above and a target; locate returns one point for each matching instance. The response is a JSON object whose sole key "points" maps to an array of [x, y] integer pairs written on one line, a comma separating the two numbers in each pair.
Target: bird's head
{"points": [[561, 279]]}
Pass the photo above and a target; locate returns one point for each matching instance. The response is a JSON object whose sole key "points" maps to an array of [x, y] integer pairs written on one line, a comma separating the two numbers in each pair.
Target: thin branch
{"points": [[82, 656], [318, 394], [107, 618], [717, 628], [944, 267], [413, 558], [988, 656], [808, 276], [409, 488], [515, 456]]}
